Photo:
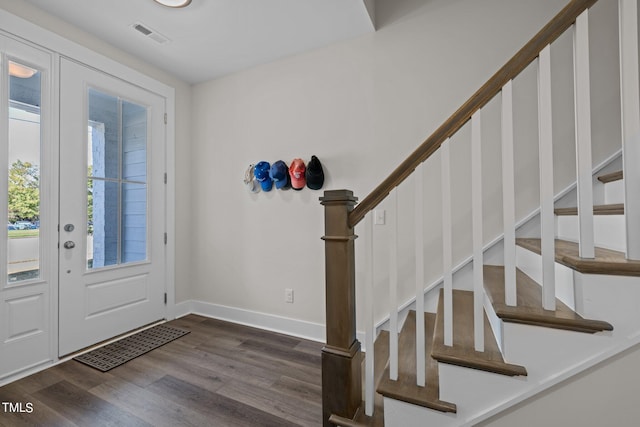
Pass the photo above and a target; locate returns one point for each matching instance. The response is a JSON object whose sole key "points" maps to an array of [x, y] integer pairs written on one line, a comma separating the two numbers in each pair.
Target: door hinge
{"points": [[165, 177], [165, 298], [165, 238], [165, 118]]}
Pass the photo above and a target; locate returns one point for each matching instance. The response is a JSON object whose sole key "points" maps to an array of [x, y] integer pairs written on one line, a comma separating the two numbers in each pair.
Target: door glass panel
{"points": [[116, 181], [134, 222], [23, 210]]}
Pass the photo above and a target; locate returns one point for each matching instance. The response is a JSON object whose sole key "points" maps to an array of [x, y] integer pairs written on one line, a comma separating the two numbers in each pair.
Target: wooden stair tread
{"points": [[613, 209], [462, 352], [529, 304], [606, 261], [405, 388], [610, 177]]}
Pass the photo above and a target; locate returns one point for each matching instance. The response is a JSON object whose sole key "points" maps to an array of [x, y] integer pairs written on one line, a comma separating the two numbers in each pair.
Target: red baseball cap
{"points": [[296, 171]]}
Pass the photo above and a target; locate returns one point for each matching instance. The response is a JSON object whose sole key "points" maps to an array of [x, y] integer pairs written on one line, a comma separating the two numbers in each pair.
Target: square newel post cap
{"points": [[338, 196]]}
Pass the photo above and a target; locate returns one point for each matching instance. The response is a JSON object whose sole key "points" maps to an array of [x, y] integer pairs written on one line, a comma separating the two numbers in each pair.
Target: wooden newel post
{"points": [[341, 361]]}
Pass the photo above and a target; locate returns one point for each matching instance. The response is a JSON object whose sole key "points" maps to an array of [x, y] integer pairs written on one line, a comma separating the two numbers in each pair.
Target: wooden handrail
{"points": [[554, 29]]}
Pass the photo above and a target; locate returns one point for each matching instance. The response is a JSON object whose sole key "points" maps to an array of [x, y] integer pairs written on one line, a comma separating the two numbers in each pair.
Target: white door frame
{"points": [[17, 27]]}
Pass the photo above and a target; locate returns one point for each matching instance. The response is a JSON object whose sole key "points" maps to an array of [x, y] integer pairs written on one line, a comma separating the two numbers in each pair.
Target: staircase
{"points": [[563, 297]]}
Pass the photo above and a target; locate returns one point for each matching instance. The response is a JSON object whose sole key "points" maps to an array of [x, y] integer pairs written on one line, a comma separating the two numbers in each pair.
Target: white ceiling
{"points": [[211, 38]]}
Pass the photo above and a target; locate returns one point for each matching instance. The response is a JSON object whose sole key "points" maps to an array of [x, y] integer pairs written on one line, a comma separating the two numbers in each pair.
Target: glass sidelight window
{"points": [[23, 192], [116, 181]]}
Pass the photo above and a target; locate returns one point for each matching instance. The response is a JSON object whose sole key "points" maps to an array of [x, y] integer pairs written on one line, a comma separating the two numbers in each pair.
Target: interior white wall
{"points": [[182, 126], [361, 106]]}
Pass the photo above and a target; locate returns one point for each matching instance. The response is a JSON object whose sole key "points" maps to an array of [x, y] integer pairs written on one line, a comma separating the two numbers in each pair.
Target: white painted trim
{"points": [[170, 207], [630, 99], [393, 288], [418, 177], [370, 329], [55, 195], [447, 245], [268, 322], [476, 230], [547, 217], [508, 196], [582, 102]]}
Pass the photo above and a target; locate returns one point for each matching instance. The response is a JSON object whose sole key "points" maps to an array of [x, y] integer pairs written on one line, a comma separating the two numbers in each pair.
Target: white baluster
{"points": [[447, 246], [547, 219], [370, 330], [630, 98], [508, 196], [393, 288], [582, 97], [418, 177], [476, 221]]}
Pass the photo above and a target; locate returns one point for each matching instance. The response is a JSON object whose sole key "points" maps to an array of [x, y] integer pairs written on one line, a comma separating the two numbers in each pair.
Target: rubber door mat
{"points": [[128, 348]]}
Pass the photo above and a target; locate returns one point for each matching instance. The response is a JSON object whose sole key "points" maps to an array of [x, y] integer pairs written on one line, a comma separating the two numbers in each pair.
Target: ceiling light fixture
{"points": [[174, 3], [21, 71]]}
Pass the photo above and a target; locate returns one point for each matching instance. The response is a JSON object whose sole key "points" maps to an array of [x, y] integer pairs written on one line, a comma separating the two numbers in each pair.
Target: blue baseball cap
{"points": [[261, 172], [279, 173]]}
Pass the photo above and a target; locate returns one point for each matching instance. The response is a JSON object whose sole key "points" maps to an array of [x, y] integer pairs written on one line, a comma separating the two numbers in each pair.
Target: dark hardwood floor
{"points": [[221, 374]]}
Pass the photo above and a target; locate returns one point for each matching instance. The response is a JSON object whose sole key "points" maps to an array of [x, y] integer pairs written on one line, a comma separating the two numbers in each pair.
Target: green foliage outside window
{"points": [[24, 192]]}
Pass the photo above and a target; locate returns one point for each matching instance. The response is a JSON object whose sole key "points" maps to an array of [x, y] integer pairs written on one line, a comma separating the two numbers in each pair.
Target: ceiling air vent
{"points": [[150, 33]]}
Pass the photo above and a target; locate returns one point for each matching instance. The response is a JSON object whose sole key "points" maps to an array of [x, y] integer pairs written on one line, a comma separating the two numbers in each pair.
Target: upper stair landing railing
{"points": [[341, 368]]}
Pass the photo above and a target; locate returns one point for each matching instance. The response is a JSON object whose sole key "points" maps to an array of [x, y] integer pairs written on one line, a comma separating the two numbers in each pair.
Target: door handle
{"points": [[69, 244]]}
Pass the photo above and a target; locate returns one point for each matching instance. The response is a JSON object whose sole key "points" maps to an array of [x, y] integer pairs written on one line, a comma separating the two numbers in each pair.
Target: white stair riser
{"points": [[476, 392], [609, 230], [614, 192], [615, 299], [531, 264], [399, 413], [544, 350]]}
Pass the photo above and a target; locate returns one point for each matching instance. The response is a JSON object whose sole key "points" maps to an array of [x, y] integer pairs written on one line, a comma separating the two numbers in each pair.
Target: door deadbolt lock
{"points": [[69, 244], [69, 227]]}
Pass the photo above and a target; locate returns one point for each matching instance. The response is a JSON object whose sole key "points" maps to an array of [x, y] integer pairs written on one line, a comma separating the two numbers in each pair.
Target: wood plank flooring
{"points": [[221, 374]]}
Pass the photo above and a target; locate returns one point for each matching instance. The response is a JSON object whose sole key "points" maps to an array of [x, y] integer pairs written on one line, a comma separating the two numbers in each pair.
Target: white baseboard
{"points": [[284, 325]]}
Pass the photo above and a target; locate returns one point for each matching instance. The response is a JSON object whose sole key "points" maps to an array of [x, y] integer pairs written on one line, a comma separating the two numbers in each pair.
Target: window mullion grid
{"points": [[119, 180]]}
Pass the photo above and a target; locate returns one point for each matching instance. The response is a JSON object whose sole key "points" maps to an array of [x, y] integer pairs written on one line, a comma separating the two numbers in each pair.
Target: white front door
{"points": [[112, 207]]}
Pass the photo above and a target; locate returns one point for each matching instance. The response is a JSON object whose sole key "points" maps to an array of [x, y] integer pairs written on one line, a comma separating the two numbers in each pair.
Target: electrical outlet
{"points": [[379, 216], [288, 295]]}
